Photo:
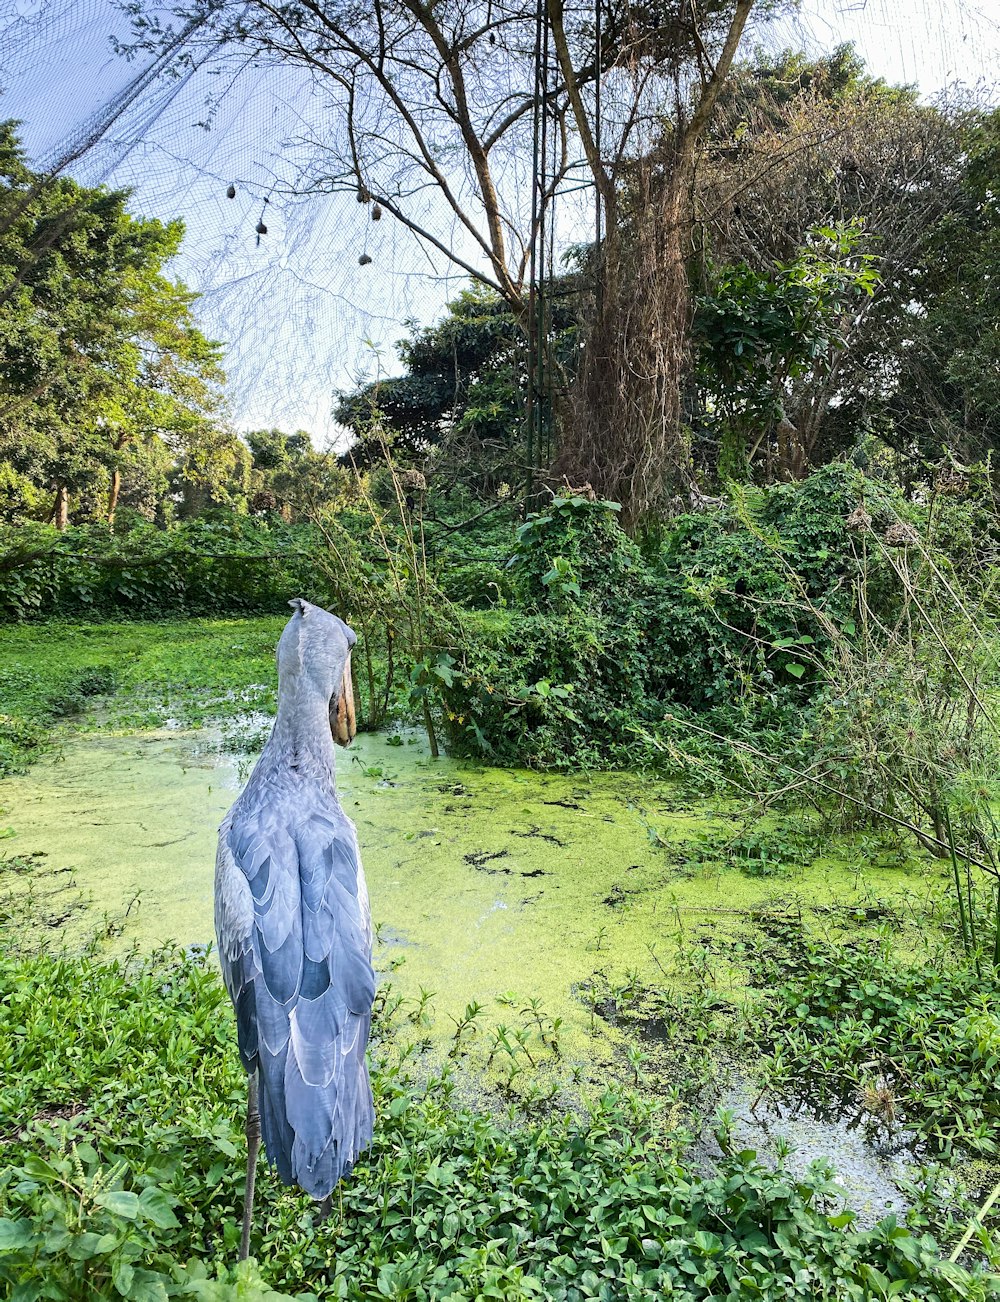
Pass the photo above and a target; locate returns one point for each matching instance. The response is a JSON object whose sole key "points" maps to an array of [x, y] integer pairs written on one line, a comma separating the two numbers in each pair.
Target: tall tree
{"points": [[460, 399], [291, 477], [452, 98], [945, 386], [800, 144], [98, 349]]}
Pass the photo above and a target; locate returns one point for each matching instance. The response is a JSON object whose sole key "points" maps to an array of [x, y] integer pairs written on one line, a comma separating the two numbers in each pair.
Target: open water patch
{"points": [[871, 1174]]}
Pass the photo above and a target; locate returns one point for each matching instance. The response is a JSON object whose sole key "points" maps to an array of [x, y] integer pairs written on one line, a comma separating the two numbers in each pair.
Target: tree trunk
{"points": [[627, 440], [113, 491], [116, 480], [60, 507]]}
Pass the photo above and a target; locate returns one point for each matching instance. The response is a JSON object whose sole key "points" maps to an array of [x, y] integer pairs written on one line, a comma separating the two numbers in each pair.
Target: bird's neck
{"points": [[301, 734]]}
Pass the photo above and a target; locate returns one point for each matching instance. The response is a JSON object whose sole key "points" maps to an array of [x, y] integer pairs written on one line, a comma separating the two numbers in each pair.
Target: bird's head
{"points": [[316, 646]]}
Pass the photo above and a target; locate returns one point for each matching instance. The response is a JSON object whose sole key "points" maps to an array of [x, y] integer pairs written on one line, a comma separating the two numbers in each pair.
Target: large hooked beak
{"points": [[343, 723]]}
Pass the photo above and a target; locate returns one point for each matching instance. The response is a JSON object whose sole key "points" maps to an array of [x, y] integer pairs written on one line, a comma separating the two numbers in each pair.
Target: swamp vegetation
{"points": [[738, 857], [679, 810]]}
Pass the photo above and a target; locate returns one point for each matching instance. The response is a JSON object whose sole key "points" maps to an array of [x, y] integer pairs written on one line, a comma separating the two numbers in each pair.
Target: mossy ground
{"points": [[184, 669]]}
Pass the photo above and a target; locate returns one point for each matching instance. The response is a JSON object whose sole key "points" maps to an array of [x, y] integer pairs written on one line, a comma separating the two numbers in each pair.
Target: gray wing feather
{"points": [[234, 922], [295, 944]]}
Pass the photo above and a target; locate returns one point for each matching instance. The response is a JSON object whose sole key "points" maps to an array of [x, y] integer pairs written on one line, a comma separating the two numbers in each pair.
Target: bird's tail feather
{"points": [[314, 1133], [274, 1128]]}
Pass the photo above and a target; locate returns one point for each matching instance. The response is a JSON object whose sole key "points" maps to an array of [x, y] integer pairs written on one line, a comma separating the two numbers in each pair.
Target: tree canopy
{"points": [[102, 363], [832, 295]]}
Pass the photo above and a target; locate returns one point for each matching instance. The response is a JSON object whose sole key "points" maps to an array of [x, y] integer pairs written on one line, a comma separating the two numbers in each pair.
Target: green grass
{"points": [[121, 1099], [129, 676]]}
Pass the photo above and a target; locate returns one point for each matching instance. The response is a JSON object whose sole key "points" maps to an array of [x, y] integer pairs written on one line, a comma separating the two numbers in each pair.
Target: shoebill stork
{"points": [[294, 928]]}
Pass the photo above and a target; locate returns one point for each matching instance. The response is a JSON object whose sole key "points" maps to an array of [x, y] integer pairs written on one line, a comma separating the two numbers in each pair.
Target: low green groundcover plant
{"points": [[913, 1046], [121, 1102], [129, 675]]}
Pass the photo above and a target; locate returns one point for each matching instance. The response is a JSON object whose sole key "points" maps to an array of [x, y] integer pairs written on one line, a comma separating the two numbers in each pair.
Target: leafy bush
{"points": [[232, 566], [123, 1165], [729, 613], [598, 641], [559, 677], [22, 741], [101, 680], [477, 584]]}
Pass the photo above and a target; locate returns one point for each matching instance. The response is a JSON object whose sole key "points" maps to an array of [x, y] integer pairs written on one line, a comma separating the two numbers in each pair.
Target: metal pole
{"points": [[531, 403]]}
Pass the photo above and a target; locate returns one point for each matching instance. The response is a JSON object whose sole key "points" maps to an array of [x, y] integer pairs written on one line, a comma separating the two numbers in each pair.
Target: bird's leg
{"points": [[253, 1148], [325, 1208]]}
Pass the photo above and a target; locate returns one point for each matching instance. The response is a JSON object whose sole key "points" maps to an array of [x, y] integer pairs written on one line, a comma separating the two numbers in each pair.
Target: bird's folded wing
{"points": [[295, 945], [234, 927], [336, 927], [326, 1083]]}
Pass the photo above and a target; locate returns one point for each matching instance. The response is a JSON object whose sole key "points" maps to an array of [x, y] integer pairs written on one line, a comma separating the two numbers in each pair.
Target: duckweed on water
{"points": [[487, 885]]}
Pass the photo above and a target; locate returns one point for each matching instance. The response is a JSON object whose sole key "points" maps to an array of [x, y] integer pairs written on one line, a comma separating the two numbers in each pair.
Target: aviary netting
{"points": [[482, 139]]}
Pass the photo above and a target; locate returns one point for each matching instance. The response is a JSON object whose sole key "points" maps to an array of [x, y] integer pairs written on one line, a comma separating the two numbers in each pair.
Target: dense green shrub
{"points": [[123, 1165], [230, 566], [599, 640], [22, 741], [559, 677], [730, 609], [477, 584]]}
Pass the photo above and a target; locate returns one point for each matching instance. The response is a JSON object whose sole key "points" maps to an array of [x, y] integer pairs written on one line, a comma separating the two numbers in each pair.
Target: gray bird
{"points": [[294, 926]]}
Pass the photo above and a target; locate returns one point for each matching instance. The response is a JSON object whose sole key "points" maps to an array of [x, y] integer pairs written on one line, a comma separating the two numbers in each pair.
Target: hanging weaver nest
{"points": [[951, 482], [859, 520], [413, 481], [900, 534]]}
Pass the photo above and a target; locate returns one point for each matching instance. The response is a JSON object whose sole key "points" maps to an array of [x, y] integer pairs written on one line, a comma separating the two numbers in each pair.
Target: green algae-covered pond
{"points": [[533, 897], [484, 882]]}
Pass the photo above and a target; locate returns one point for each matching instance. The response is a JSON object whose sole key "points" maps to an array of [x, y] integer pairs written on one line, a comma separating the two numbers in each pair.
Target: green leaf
{"points": [[40, 1169], [120, 1202], [794, 668], [89, 1244], [157, 1207], [27, 1292], [122, 1276], [14, 1234], [147, 1286]]}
